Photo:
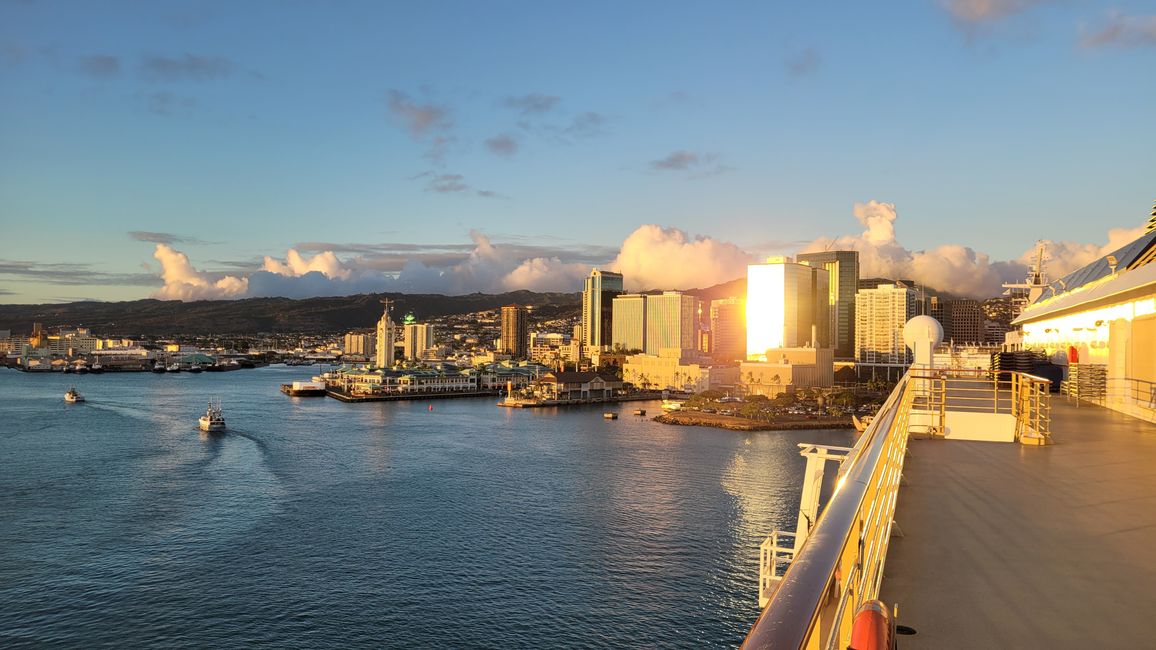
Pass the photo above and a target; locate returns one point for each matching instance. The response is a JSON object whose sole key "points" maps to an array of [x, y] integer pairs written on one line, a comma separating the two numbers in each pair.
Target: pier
{"points": [[406, 396]]}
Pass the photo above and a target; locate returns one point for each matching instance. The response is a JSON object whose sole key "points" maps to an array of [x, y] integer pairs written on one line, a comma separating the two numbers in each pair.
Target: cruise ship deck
{"points": [[1007, 546]]}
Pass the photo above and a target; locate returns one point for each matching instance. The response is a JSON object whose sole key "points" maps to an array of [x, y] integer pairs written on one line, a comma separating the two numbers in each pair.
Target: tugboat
{"points": [[212, 421], [73, 396]]}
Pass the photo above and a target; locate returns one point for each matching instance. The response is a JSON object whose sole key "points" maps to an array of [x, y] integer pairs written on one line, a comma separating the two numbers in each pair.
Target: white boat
{"points": [[671, 405], [73, 396], [174, 367], [196, 367], [212, 421], [158, 367]]}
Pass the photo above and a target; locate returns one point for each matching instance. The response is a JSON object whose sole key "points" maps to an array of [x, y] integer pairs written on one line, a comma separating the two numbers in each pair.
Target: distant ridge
{"points": [[253, 315]]}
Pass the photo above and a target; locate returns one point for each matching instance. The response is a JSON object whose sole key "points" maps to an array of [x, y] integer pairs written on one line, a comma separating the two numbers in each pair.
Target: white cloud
{"points": [[653, 257]]}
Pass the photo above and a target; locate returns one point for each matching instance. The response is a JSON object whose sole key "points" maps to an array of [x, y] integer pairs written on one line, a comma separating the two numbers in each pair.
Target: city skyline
{"points": [[197, 150]]}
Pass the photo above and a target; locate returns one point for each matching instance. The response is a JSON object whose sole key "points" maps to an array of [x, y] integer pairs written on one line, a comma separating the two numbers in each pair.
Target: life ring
{"points": [[872, 628]]}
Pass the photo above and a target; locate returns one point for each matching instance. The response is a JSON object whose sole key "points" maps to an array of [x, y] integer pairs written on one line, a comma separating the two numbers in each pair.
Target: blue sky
{"points": [[389, 132]]}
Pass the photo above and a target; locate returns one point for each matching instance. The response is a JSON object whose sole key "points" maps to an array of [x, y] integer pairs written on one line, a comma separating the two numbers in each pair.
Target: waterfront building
{"points": [[386, 338], [1101, 320], [515, 337], [417, 339], [728, 330], [598, 292], [787, 306], [671, 322], [360, 345], [788, 369], [574, 386], [842, 284], [678, 369], [880, 314], [629, 322], [551, 349]]}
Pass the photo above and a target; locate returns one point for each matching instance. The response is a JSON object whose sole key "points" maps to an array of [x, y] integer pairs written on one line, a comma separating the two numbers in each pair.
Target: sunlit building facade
{"points": [[515, 338], [598, 293], [671, 322], [728, 330], [386, 339], [880, 315], [842, 283], [629, 321], [787, 307], [418, 338], [360, 345]]}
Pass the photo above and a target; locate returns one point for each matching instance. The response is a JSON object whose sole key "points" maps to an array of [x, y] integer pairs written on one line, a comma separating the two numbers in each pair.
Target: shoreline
{"points": [[736, 423]]}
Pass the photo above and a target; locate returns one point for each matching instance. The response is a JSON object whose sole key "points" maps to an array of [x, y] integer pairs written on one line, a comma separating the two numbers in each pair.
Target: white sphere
{"points": [[922, 328]]}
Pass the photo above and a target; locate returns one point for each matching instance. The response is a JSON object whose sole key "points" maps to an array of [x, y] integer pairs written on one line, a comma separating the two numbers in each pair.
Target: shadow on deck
{"points": [[1009, 546]]}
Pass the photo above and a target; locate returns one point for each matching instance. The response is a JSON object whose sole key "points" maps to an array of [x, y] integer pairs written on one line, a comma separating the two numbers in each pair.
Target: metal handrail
{"points": [[842, 561], [791, 617]]}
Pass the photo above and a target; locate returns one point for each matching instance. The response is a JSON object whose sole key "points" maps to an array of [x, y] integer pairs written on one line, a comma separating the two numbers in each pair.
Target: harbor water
{"points": [[313, 523]]}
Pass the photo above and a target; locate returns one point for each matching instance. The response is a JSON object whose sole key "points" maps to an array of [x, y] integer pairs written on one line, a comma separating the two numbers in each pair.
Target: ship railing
{"points": [[775, 556], [841, 563], [1024, 397]]}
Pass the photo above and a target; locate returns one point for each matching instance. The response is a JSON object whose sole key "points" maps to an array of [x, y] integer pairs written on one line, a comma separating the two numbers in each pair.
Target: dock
{"points": [[539, 403], [401, 397], [1006, 546]]}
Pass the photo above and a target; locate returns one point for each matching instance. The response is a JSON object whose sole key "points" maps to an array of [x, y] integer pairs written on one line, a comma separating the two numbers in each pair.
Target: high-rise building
{"points": [[842, 283], [787, 307], [598, 293], [629, 321], [728, 330], [361, 345], [418, 338], [962, 321], [671, 322], [515, 339], [386, 337], [880, 315]]}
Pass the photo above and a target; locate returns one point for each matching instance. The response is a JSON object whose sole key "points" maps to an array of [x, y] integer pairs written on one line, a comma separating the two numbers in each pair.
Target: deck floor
{"points": [[1030, 547]]}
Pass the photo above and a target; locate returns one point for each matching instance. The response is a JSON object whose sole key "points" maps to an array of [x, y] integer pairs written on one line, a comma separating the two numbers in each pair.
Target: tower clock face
{"points": [[410, 318]]}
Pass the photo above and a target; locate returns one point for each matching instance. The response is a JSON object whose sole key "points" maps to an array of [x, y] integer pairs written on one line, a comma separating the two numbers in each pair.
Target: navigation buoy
{"points": [[431, 407]]}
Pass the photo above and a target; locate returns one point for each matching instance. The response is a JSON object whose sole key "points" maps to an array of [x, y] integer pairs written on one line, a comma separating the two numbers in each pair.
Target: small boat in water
{"points": [[73, 396], [610, 415], [196, 367], [671, 405], [640, 411], [158, 367], [174, 367], [212, 421]]}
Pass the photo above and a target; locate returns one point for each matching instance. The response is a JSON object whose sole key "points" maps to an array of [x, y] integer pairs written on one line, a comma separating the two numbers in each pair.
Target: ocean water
{"points": [[313, 523]]}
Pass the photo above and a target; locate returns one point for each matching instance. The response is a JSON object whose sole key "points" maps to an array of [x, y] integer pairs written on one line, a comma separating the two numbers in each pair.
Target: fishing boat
{"points": [[73, 396], [212, 421]]}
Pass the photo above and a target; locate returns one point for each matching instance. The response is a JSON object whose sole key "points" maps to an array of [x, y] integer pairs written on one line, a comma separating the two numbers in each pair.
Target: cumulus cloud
{"points": [[645, 256], [1123, 31], [653, 257], [953, 268], [183, 282], [190, 67]]}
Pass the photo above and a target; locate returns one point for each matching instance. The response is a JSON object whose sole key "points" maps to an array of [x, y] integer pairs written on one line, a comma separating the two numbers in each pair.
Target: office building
{"points": [[671, 322], [359, 345], [417, 339], [787, 307], [880, 314], [787, 370], [842, 283], [515, 338], [679, 370], [598, 292], [962, 321], [629, 322], [728, 330]]}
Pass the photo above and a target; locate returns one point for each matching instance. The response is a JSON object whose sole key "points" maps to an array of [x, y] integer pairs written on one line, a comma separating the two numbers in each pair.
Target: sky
{"points": [[195, 150]]}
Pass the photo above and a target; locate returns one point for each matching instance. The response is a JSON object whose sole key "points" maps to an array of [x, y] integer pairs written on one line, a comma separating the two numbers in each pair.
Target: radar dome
{"points": [[922, 328]]}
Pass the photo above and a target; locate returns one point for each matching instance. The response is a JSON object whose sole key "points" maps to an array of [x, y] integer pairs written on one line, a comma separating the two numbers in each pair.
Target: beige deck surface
{"points": [[1027, 547]]}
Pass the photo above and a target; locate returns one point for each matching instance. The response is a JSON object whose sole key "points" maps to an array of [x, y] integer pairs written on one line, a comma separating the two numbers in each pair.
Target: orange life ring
{"points": [[872, 628]]}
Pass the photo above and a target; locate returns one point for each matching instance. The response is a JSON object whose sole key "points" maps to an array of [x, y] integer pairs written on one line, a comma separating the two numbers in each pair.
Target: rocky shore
{"points": [[735, 423]]}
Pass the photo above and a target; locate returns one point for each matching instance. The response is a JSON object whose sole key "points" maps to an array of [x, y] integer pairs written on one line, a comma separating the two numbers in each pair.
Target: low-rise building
{"points": [[788, 369], [678, 369]]}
